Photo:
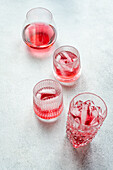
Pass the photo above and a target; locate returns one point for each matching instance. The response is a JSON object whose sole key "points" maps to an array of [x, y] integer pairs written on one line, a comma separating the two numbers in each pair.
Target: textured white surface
{"points": [[25, 142]]}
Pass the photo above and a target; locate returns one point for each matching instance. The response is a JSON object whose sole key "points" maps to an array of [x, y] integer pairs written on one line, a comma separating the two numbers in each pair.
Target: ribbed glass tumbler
{"points": [[48, 99]]}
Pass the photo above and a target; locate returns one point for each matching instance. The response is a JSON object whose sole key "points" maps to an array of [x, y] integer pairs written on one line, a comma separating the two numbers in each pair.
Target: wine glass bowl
{"points": [[39, 30]]}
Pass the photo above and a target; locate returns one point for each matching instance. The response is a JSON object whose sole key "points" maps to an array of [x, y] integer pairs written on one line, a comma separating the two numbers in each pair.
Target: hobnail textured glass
{"points": [[80, 134], [50, 105]]}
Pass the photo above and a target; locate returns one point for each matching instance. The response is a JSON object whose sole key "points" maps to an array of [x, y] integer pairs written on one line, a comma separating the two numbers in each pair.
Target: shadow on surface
{"points": [[79, 84], [84, 157], [73, 86], [49, 126], [80, 156], [41, 53]]}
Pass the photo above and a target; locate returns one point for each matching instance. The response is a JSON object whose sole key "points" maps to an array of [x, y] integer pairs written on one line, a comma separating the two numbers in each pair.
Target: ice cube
{"points": [[66, 54], [90, 109], [65, 60], [58, 57], [76, 64], [47, 93], [63, 57], [99, 109], [74, 57], [94, 121], [89, 113], [68, 68], [59, 67], [93, 115], [84, 113], [75, 111], [77, 122], [62, 62], [94, 111], [38, 95]]}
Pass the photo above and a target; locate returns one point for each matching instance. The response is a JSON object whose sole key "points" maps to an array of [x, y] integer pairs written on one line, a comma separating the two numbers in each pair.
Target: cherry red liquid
{"points": [[47, 97], [66, 65], [39, 35], [81, 114]]}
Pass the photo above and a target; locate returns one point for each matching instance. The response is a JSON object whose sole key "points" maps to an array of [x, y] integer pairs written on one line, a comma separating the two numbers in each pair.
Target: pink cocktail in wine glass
{"points": [[39, 29]]}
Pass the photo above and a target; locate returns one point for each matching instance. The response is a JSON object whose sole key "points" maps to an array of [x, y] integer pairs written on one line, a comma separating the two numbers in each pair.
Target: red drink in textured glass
{"points": [[47, 99], [39, 35], [44, 95], [84, 120], [66, 64]]}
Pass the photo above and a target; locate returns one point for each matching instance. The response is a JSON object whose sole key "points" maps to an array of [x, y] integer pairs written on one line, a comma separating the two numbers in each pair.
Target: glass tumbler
{"points": [[39, 29], [47, 99], [87, 111], [66, 65]]}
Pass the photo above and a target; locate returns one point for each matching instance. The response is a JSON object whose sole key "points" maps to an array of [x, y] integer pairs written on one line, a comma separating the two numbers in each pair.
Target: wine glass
{"points": [[39, 30]]}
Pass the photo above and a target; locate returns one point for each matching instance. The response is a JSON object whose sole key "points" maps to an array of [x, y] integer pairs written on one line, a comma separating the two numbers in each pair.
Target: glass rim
{"points": [[66, 46], [36, 8], [48, 80], [91, 126]]}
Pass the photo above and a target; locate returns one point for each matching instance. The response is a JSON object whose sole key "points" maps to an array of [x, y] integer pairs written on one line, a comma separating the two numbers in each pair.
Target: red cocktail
{"points": [[47, 99], [39, 35], [39, 29], [66, 65], [86, 114]]}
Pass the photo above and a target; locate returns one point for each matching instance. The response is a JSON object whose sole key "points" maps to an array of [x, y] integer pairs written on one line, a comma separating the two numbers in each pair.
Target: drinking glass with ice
{"points": [[66, 65], [47, 100], [86, 114]]}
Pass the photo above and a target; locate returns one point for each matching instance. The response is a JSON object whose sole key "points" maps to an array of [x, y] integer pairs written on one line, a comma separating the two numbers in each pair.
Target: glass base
{"points": [[67, 82], [81, 145], [47, 120]]}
